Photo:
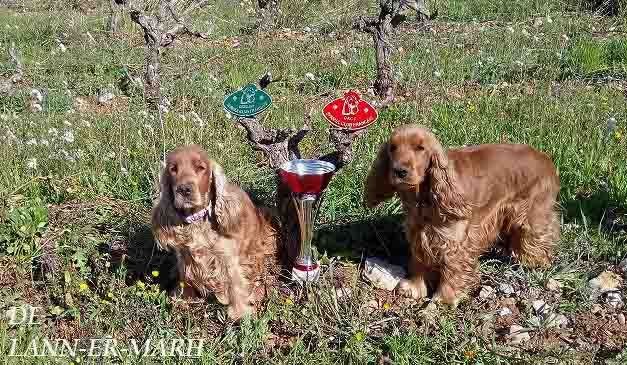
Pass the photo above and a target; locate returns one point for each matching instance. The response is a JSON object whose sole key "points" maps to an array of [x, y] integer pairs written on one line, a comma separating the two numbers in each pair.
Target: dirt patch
{"points": [[90, 105], [604, 331]]}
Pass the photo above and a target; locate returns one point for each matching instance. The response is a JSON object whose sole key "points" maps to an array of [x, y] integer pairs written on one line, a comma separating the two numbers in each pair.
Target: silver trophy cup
{"points": [[307, 180]]}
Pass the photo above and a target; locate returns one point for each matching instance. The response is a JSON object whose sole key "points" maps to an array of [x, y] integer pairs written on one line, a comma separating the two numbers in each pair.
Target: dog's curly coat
{"points": [[459, 203], [223, 251]]}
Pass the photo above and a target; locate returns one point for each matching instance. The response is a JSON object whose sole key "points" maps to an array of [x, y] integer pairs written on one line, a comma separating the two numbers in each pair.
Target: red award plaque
{"points": [[350, 112]]}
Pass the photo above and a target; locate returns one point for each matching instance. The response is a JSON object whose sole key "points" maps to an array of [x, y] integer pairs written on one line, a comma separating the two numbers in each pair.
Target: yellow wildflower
{"points": [[182, 284], [387, 306], [141, 284], [470, 354], [359, 336], [83, 286], [155, 273], [110, 295], [472, 108], [618, 135], [289, 301]]}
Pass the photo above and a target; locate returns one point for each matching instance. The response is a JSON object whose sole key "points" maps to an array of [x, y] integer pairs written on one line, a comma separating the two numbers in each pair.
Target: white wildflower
{"points": [[149, 128], [31, 163], [36, 96], [66, 123], [343, 62], [124, 171], [437, 74], [67, 156], [62, 47], [68, 136], [85, 123], [36, 108], [111, 155], [4, 117], [44, 142], [31, 142], [197, 119], [228, 115], [310, 76], [510, 29], [10, 137], [53, 132]]}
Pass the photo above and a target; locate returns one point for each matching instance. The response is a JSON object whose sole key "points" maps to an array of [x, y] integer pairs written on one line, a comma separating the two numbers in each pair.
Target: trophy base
{"points": [[306, 274]]}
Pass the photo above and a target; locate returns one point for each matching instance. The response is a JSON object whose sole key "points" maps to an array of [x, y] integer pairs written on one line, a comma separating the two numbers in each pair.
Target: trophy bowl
{"points": [[307, 176], [306, 179]]}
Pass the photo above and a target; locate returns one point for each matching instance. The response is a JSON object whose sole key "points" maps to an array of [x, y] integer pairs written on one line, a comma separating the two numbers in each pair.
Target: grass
{"points": [[82, 176]]}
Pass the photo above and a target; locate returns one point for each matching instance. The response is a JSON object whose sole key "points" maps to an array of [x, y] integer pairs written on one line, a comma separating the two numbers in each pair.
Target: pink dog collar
{"points": [[206, 212]]}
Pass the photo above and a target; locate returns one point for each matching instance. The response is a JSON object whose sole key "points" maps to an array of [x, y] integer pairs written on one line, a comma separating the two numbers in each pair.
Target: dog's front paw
{"points": [[414, 289], [447, 295], [236, 312]]}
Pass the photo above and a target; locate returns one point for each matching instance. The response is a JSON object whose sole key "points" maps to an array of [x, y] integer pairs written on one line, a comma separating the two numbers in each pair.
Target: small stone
{"points": [[486, 292], [105, 97], [382, 274], [343, 292], [307, 29], [606, 281], [622, 267], [506, 289], [557, 321], [504, 312], [372, 305], [596, 308], [310, 76], [621, 319], [553, 285], [614, 299], [539, 306], [517, 334]]}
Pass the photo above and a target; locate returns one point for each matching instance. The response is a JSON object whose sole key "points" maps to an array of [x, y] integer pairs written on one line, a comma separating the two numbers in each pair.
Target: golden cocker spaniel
{"points": [[459, 203], [221, 240]]}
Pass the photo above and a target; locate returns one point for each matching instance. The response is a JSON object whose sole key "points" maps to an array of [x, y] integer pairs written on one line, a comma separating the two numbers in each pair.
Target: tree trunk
{"points": [[267, 14], [114, 17], [384, 83]]}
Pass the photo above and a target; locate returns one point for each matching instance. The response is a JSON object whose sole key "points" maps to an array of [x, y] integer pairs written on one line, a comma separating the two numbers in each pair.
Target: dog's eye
{"points": [[173, 169], [200, 168], [419, 148], [392, 147]]}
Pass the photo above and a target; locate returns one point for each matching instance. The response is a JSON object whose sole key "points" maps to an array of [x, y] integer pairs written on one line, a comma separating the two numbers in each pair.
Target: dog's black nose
{"points": [[184, 190], [400, 173]]}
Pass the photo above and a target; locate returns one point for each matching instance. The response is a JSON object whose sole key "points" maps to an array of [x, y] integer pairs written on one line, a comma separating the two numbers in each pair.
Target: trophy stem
{"points": [[306, 267]]}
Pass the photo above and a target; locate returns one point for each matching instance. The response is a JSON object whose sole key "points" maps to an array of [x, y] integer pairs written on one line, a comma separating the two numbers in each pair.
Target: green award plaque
{"points": [[247, 102]]}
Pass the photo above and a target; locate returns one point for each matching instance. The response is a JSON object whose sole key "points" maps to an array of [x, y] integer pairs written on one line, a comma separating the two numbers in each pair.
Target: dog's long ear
{"points": [[378, 186], [226, 206], [447, 193], [163, 214]]}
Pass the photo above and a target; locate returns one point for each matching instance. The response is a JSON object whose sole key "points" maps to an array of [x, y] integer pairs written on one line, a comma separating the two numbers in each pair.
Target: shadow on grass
{"points": [[382, 237], [140, 256], [599, 209]]}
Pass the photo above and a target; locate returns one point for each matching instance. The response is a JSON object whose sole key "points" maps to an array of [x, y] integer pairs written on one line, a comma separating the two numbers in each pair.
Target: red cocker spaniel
{"points": [[221, 240], [458, 203]]}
